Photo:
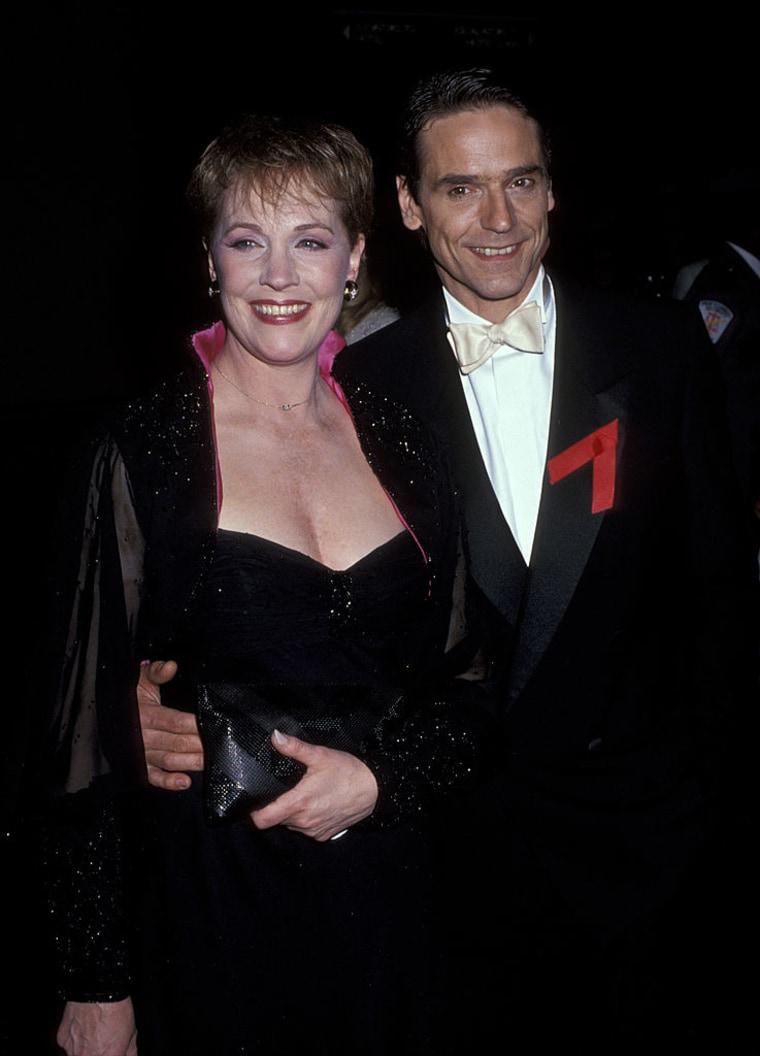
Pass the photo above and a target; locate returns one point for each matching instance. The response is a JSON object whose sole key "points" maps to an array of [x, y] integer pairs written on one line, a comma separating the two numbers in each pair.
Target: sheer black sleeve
{"points": [[93, 754]]}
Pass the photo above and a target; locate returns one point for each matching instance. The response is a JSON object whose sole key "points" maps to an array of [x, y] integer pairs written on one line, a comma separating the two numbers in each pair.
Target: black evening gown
{"points": [[268, 942]]}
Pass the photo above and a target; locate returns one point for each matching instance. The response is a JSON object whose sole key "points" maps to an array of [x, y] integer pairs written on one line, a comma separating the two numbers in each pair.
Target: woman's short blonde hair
{"points": [[265, 154]]}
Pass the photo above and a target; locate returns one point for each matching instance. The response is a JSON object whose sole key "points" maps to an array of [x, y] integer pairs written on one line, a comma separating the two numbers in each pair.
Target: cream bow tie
{"points": [[474, 343]]}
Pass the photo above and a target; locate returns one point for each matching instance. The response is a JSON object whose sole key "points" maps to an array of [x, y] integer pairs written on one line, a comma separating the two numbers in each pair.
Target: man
{"points": [[604, 549], [724, 287]]}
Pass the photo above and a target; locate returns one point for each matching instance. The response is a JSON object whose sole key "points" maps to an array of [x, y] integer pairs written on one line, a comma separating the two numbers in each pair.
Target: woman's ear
{"points": [[356, 257], [210, 259]]}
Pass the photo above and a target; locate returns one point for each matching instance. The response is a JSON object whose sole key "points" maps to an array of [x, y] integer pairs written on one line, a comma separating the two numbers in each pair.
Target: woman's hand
{"points": [[98, 1029], [337, 791]]}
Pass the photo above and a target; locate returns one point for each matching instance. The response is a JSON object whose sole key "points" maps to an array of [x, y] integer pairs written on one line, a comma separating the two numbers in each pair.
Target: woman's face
{"points": [[282, 270]]}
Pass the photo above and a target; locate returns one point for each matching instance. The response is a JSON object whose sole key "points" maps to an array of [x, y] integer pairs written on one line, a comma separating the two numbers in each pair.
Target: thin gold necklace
{"points": [[278, 406]]}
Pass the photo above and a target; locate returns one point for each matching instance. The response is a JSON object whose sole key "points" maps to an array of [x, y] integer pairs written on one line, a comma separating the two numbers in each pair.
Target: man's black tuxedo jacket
{"points": [[620, 650]]}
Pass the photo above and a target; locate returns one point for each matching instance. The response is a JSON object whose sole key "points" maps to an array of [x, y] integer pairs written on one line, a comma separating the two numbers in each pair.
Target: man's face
{"points": [[483, 202]]}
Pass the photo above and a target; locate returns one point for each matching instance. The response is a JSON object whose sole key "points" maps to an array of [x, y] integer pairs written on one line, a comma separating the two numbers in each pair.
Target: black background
{"points": [[106, 108]]}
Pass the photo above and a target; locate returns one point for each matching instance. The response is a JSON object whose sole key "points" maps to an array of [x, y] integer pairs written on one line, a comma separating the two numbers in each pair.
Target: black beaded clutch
{"points": [[243, 771]]}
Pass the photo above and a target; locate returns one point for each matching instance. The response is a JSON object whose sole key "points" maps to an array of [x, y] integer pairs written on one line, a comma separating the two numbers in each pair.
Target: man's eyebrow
{"points": [[453, 179], [526, 170]]}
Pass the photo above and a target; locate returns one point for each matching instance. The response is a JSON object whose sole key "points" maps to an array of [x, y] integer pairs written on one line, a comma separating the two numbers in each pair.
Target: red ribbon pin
{"points": [[599, 448]]}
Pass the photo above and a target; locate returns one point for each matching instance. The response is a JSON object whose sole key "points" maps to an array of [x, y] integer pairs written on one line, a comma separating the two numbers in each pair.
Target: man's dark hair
{"points": [[452, 92]]}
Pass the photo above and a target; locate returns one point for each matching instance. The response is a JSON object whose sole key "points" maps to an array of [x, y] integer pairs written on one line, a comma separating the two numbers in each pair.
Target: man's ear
{"points": [[410, 211]]}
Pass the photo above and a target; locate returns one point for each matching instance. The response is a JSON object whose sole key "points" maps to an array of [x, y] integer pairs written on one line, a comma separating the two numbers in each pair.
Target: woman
{"points": [[267, 528]]}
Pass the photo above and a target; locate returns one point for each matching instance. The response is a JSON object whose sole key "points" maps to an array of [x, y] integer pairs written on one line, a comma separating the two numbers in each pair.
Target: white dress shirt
{"points": [[509, 399]]}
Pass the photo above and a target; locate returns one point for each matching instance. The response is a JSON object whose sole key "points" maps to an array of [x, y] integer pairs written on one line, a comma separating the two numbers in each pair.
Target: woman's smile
{"points": [[280, 313]]}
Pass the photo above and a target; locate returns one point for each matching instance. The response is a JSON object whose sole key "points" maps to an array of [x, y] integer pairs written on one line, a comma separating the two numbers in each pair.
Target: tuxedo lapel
{"points": [[587, 397], [495, 561]]}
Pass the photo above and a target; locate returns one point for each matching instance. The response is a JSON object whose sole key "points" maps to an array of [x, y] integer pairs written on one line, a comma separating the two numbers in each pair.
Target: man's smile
{"points": [[487, 251]]}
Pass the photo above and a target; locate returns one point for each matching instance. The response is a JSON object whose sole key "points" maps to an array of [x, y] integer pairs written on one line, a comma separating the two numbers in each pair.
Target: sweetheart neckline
{"points": [[313, 560]]}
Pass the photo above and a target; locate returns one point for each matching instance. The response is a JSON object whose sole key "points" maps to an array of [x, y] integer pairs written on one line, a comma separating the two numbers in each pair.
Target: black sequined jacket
{"points": [[138, 531]]}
